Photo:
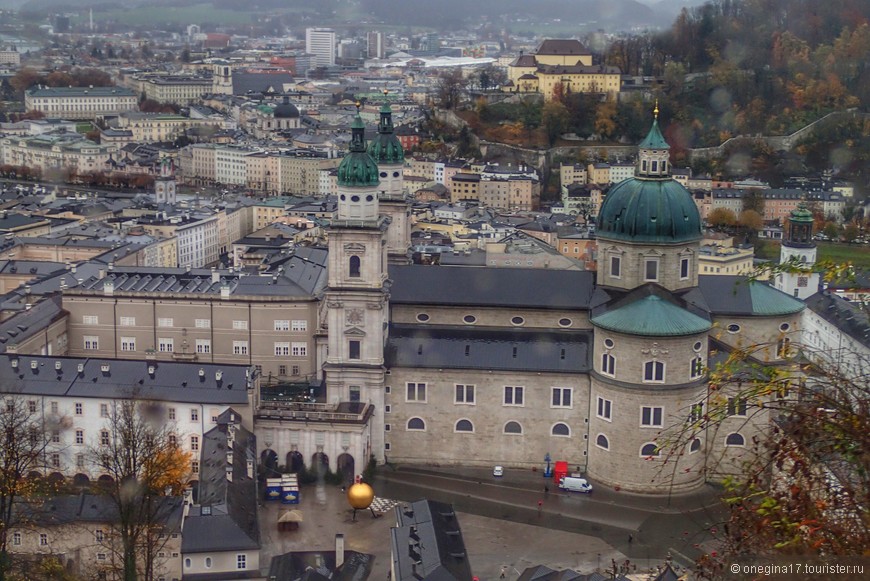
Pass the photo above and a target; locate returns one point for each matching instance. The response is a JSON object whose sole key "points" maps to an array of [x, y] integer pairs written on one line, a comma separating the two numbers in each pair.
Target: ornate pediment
{"points": [[354, 332], [354, 247]]}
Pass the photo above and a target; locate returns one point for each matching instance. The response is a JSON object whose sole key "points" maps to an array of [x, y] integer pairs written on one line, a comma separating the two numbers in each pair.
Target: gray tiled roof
{"points": [[171, 381], [848, 317], [25, 324], [428, 532], [491, 287], [737, 295], [446, 347]]}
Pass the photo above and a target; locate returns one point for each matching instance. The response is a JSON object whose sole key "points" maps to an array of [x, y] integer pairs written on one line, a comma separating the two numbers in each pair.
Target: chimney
{"points": [[339, 550], [215, 275]]}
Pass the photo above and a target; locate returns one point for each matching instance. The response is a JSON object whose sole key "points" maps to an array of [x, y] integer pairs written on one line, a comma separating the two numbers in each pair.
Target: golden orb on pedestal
{"points": [[360, 496]]}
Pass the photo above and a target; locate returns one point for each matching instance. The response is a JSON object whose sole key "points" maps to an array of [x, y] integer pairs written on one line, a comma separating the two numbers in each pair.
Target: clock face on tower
{"points": [[355, 317]]}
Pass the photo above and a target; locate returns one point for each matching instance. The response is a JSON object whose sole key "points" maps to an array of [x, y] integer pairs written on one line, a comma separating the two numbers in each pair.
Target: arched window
{"points": [[561, 429], [650, 449], [464, 426], [697, 367], [782, 348], [416, 424], [654, 371], [513, 428], [696, 445], [601, 442], [354, 267], [734, 439]]}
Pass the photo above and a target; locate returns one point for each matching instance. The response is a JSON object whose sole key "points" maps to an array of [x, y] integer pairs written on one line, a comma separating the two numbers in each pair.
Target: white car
{"points": [[498, 471]]}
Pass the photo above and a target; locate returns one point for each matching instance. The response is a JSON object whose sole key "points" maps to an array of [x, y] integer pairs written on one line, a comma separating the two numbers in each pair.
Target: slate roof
{"points": [[427, 543], [320, 566], [246, 82], [171, 381], [557, 46], [848, 317], [92, 508], [736, 295], [226, 517], [652, 317], [467, 347], [25, 324], [491, 287]]}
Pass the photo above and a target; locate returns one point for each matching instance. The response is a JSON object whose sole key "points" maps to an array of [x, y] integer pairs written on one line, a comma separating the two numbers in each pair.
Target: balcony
{"points": [[341, 413]]}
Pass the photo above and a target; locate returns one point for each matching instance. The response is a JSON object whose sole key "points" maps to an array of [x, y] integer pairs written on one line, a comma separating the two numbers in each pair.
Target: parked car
{"points": [[498, 471]]}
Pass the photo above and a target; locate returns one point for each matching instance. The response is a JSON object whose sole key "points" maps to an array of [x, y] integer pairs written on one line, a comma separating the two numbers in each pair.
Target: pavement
{"points": [[502, 524]]}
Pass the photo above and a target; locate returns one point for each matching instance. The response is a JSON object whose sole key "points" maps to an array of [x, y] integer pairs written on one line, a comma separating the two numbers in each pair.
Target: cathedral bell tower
{"points": [[387, 152], [356, 301], [799, 247]]}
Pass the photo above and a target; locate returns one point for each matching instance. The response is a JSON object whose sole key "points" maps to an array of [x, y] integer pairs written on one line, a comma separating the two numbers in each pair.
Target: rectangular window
{"points": [[79, 407], [90, 320], [16, 539], [98, 534], [615, 266], [654, 371], [240, 325], [241, 561], [354, 393], [416, 392], [101, 556], [128, 321], [194, 415], [80, 437], [736, 406], [104, 438], [80, 461], [561, 397], [651, 417], [128, 343], [608, 364], [294, 370], [604, 409], [165, 322], [43, 540], [194, 467], [55, 436], [696, 412], [203, 345], [684, 269], [353, 349], [170, 413], [513, 395], [240, 347], [91, 342], [651, 269], [53, 407], [282, 349], [55, 460], [464, 394], [202, 323], [282, 370], [194, 443], [300, 349], [282, 325], [299, 325], [697, 367], [104, 410], [31, 406], [166, 345]]}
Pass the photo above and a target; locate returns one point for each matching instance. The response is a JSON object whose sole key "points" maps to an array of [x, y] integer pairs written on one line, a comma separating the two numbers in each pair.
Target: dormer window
{"points": [[655, 166]]}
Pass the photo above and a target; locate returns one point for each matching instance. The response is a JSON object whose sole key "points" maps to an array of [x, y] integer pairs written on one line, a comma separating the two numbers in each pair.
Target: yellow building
{"points": [[562, 64]]}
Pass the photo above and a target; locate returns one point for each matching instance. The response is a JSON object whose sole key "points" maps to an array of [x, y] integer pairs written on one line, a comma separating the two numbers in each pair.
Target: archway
{"points": [[320, 463], [346, 467], [295, 462], [105, 481], [34, 475], [81, 480], [269, 462], [55, 478]]}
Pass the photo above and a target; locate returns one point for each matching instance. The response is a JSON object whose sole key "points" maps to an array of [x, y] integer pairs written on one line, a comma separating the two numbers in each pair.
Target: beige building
{"points": [[177, 89], [571, 173], [159, 127], [198, 315], [56, 152], [725, 260], [81, 102], [562, 65]]}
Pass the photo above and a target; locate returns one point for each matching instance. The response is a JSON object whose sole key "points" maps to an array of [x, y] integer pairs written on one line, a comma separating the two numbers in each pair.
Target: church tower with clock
{"points": [[355, 300]]}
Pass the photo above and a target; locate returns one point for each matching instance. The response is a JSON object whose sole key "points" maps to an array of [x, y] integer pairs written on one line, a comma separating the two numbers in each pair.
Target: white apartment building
{"points": [[157, 127], [10, 57], [56, 152], [321, 43], [230, 166], [181, 90], [198, 242], [81, 102]]}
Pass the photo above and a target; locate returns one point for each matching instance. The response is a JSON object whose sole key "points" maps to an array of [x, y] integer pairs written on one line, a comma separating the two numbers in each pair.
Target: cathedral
{"points": [[485, 366]]}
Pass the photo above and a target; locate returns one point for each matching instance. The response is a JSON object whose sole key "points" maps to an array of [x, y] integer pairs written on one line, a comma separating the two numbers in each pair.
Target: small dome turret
{"points": [[385, 148], [358, 169], [286, 110]]}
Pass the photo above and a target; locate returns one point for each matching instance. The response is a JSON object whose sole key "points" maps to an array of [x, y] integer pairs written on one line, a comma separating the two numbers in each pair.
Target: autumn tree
{"points": [[750, 220], [24, 79], [24, 444], [721, 218], [451, 85], [554, 119], [142, 456]]}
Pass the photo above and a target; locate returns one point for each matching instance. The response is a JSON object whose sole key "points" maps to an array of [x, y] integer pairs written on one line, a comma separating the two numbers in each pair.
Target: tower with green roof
{"points": [[387, 152], [355, 298], [798, 249]]}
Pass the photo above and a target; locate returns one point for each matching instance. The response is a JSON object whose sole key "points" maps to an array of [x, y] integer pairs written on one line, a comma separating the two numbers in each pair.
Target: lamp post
{"points": [[548, 471]]}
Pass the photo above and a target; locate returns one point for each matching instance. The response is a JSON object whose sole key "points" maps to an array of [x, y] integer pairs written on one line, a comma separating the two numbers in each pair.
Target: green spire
{"points": [[385, 148], [358, 169], [654, 139]]}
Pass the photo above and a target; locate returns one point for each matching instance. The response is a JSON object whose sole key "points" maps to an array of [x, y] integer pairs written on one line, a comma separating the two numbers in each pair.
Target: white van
{"points": [[573, 484]]}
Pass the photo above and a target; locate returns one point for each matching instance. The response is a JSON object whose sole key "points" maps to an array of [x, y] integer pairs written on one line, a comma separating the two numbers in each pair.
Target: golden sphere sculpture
{"points": [[360, 496]]}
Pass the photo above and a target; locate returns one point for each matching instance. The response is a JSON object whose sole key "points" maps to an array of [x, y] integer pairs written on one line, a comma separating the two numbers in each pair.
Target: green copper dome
{"points": [[656, 210], [801, 214], [652, 317], [358, 169], [385, 148]]}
